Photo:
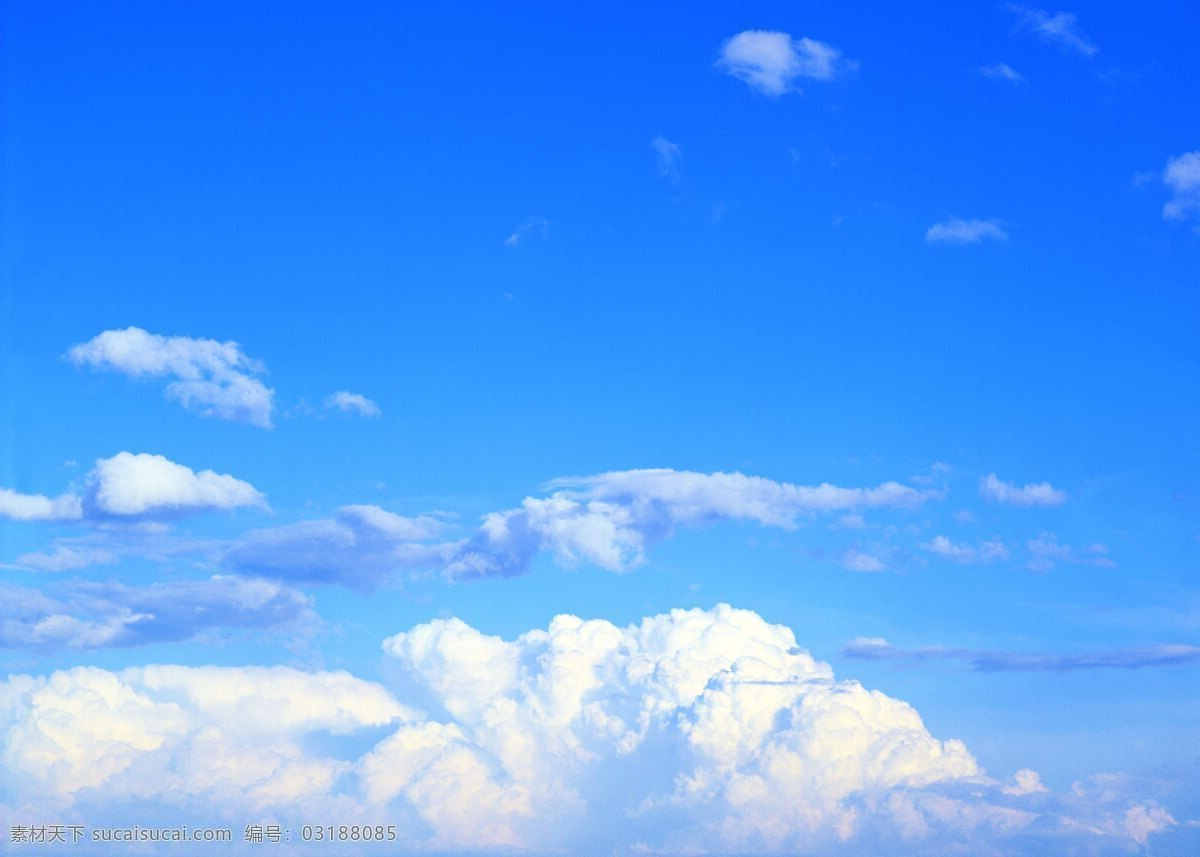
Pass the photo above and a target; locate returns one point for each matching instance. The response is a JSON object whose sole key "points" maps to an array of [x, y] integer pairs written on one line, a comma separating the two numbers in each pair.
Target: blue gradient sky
{"points": [[956, 251]]}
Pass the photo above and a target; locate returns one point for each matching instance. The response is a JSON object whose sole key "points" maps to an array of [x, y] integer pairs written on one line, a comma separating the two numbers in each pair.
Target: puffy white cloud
{"points": [[763, 745], [1025, 782], [348, 402], [38, 507], [956, 231], [986, 551], [170, 734], [144, 485], [771, 61], [1182, 178], [130, 486], [213, 378], [1060, 29], [1041, 494], [90, 615], [697, 731]]}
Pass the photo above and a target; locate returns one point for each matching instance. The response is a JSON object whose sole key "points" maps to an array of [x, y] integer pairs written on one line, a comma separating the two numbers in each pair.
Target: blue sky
{"points": [[447, 417]]}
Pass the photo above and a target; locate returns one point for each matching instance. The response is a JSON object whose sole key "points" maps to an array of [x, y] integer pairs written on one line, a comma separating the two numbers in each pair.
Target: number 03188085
{"points": [[348, 833]]}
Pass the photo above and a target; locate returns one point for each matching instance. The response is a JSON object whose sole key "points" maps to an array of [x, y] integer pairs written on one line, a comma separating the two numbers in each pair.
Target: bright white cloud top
{"points": [[145, 485], [771, 61], [709, 731], [213, 378]]}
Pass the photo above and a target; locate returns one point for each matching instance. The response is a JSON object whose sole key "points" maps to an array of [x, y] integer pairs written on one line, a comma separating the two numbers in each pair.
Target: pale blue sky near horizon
{"points": [[549, 250]]}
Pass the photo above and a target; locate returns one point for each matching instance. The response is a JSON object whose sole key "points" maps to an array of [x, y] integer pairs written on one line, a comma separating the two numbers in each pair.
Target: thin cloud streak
{"points": [[982, 660], [1059, 29]]}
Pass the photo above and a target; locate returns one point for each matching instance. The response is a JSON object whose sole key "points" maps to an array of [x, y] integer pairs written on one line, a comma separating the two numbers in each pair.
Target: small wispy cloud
{"points": [[351, 403], [1059, 29], [985, 660], [856, 560], [770, 61], [65, 559], [956, 231], [1040, 494], [668, 158], [1002, 71], [986, 551], [1045, 552], [1182, 178], [532, 226]]}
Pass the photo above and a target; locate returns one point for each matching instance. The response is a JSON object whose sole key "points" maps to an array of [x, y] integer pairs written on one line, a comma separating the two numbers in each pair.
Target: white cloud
{"points": [[65, 559], [771, 61], [609, 520], [360, 548], [985, 660], [172, 735], [213, 378], [1182, 178], [986, 551], [1025, 782], [1041, 494], [347, 402], [144, 485], [87, 615], [1002, 71], [535, 225], [668, 158], [955, 231], [697, 731], [856, 560], [1045, 552], [1059, 29], [38, 507]]}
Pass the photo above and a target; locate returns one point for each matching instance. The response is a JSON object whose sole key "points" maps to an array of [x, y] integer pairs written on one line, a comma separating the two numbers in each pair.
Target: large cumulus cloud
{"points": [[693, 731]]}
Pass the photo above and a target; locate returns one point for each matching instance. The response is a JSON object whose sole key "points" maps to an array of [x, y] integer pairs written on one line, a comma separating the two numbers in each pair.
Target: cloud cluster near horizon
{"points": [[695, 731], [770, 61]]}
